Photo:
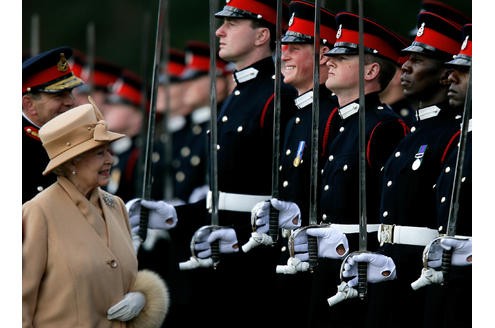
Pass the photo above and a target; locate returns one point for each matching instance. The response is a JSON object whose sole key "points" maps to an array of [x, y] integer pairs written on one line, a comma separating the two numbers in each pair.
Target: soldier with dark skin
{"points": [[47, 83], [407, 205], [450, 304]]}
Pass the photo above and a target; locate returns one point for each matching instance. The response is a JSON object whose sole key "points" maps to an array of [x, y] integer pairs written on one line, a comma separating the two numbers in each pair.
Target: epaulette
{"points": [[32, 132]]}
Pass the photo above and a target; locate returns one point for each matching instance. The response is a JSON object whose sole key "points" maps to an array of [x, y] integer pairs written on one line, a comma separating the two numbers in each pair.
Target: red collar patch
{"points": [[32, 132]]}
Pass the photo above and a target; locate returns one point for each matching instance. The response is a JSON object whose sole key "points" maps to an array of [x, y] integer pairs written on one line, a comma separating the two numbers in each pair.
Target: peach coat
{"points": [[78, 258]]}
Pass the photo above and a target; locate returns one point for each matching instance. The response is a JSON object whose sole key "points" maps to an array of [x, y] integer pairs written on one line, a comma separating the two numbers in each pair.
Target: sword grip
{"points": [[273, 224], [313, 252], [143, 223], [215, 253], [446, 260], [362, 280]]}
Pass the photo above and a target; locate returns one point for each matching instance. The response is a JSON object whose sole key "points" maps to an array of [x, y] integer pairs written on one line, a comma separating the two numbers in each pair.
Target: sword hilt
{"points": [[446, 261], [313, 253], [273, 224], [143, 223], [215, 253], [362, 280]]}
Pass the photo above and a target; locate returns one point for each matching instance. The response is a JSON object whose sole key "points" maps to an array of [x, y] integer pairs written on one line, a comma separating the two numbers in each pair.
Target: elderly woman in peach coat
{"points": [[79, 265]]}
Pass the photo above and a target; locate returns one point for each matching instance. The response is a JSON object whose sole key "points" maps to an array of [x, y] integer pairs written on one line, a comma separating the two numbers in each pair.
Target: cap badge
{"points": [[339, 32], [62, 64], [421, 29], [291, 20], [464, 43]]}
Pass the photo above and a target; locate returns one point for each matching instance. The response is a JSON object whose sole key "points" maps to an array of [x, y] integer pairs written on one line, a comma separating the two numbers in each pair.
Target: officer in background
{"points": [[98, 80], [171, 125], [124, 114], [190, 163], [47, 83]]}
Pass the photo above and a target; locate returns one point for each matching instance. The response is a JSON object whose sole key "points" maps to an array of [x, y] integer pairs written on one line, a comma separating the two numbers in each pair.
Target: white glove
{"points": [[227, 241], [294, 265], [129, 307], [331, 243], [380, 268], [161, 215], [432, 254], [462, 250], [152, 236], [199, 193], [289, 215]]}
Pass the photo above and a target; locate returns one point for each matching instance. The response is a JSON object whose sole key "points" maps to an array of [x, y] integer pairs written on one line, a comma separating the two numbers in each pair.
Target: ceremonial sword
{"points": [[456, 188], [146, 186]]}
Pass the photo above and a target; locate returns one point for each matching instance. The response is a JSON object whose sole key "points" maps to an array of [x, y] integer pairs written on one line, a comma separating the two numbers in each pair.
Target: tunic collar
{"points": [[201, 115], [348, 110], [304, 100], [245, 74], [427, 112]]}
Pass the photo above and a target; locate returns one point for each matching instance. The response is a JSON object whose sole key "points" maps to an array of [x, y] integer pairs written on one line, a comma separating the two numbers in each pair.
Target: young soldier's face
{"points": [[236, 39], [342, 73], [297, 66]]}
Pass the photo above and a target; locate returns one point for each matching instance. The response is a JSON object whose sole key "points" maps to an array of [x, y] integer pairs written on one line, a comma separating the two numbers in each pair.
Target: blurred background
{"points": [[125, 30]]}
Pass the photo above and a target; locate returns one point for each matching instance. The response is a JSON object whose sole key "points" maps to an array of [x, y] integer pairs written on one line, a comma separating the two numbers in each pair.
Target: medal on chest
{"points": [[299, 154], [419, 157]]}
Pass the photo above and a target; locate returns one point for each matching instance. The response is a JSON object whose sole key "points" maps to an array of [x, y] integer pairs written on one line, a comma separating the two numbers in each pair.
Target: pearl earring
{"points": [[73, 172]]}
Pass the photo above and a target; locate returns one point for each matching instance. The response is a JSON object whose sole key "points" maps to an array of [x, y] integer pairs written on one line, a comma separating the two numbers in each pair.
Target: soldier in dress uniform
{"points": [[124, 114], [190, 160], [407, 206], [47, 83], [340, 177], [171, 125], [245, 152], [98, 81], [450, 304], [295, 162]]}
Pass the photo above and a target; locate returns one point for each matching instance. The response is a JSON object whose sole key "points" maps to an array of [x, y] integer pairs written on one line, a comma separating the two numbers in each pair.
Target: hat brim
{"points": [[192, 74], [459, 61], [79, 149], [425, 50], [232, 12], [341, 51], [296, 39]]}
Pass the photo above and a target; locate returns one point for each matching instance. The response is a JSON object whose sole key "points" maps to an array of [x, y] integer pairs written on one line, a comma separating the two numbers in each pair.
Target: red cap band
{"points": [[437, 40], [268, 13]]}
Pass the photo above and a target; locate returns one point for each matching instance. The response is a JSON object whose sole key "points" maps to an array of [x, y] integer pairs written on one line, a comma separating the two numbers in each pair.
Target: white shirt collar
{"points": [[304, 100]]}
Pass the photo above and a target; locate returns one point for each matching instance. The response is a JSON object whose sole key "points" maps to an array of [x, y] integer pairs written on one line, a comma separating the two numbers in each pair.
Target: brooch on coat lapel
{"points": [[108, 199]]}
